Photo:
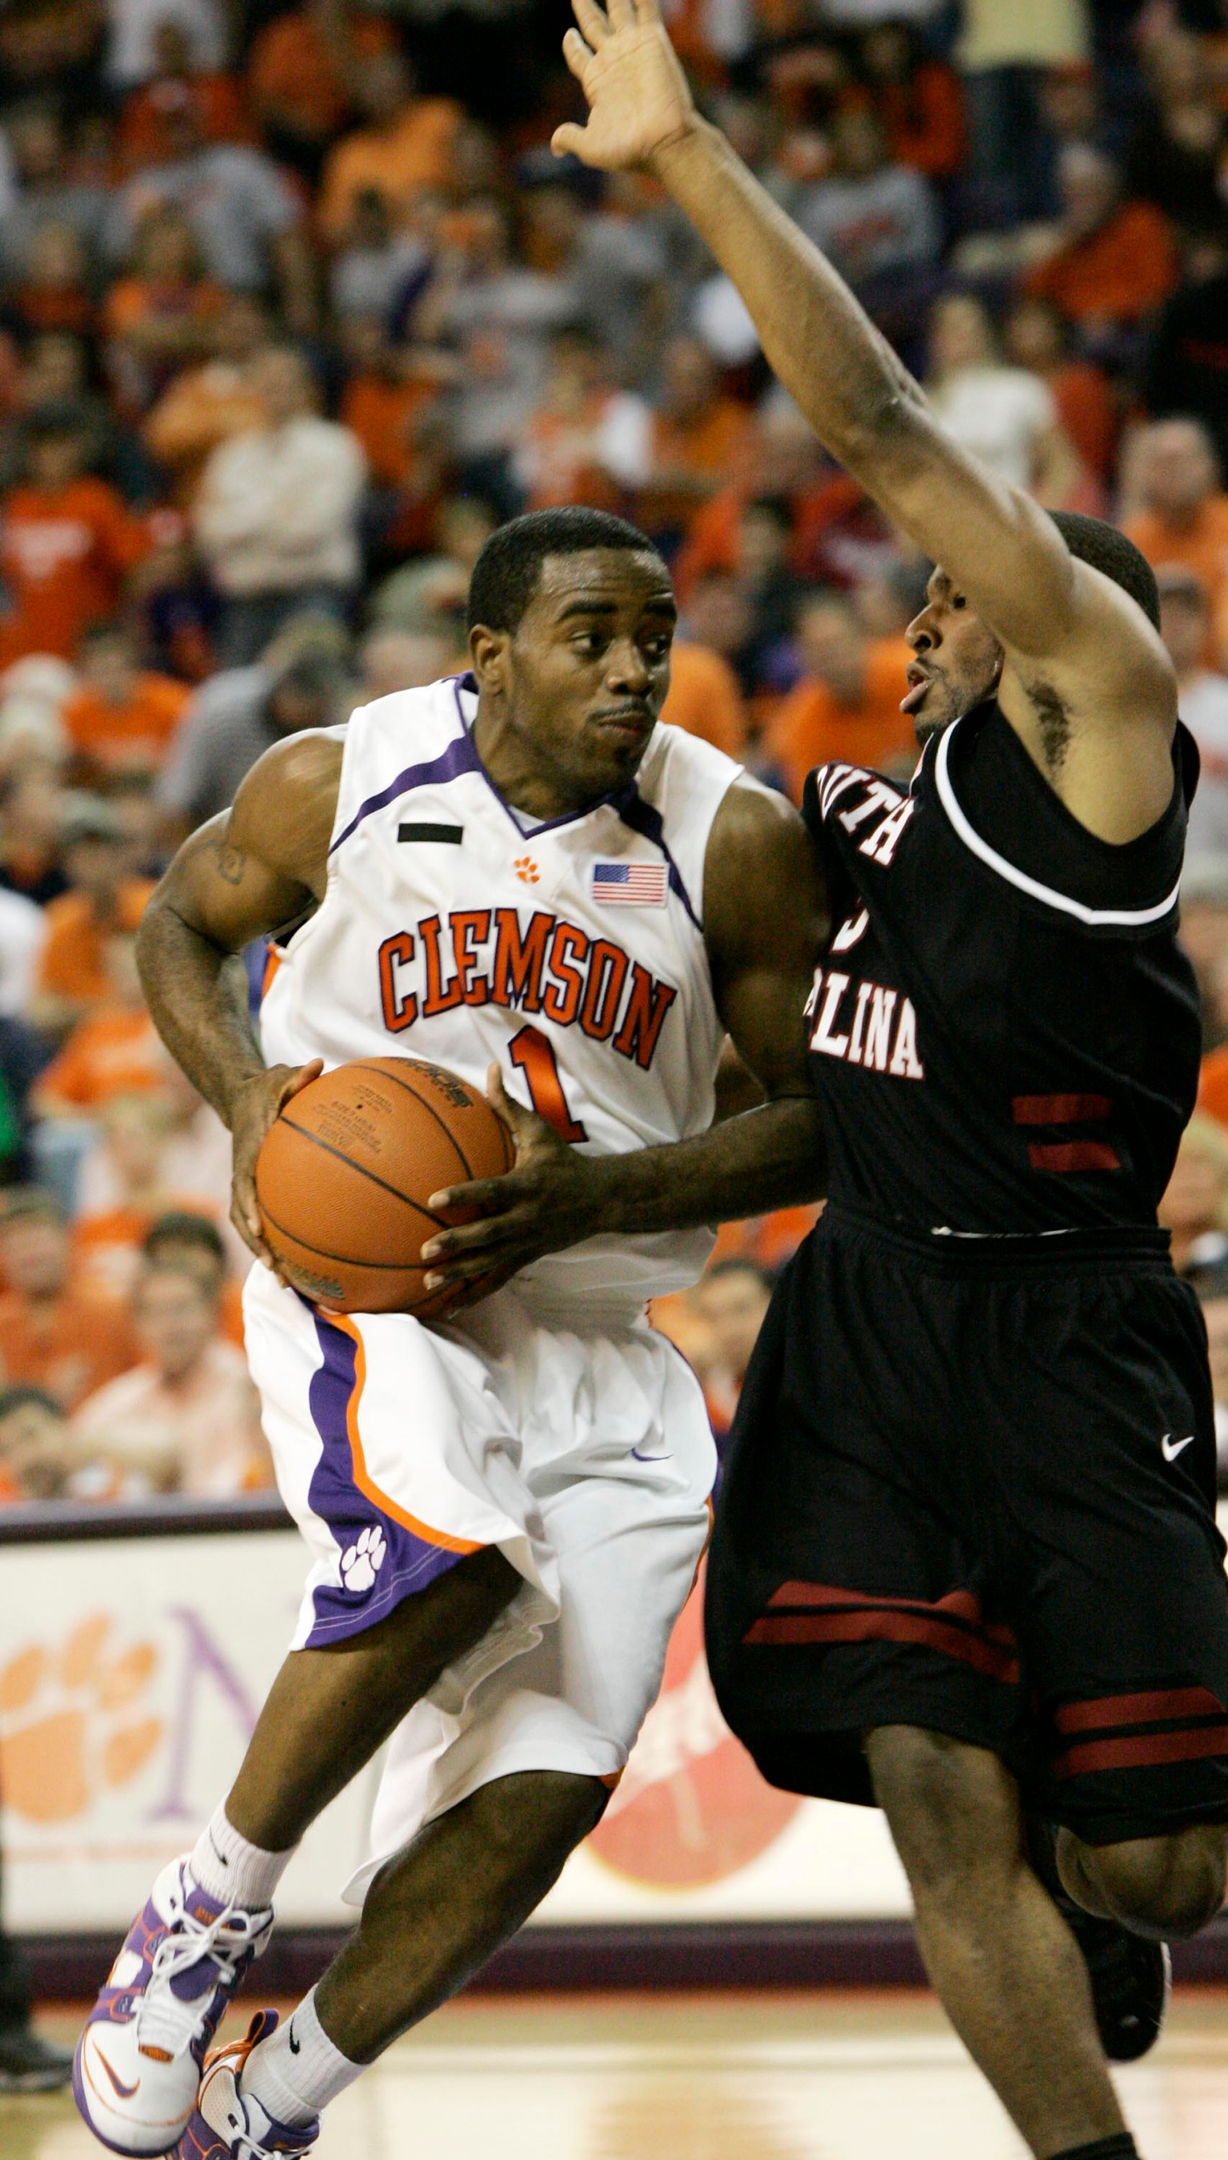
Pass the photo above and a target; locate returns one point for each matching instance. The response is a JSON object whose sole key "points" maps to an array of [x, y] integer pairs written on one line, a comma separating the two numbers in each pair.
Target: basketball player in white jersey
{"points": [[521, 869]]}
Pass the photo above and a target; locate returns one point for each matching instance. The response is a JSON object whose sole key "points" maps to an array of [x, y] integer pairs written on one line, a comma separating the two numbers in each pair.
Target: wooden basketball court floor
{"points": [[823, 2076]]}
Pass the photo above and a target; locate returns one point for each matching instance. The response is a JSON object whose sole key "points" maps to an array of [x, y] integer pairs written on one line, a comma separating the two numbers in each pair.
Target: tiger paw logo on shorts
{"points": [[690, 1807], [71, 1722], [362, 1561]]}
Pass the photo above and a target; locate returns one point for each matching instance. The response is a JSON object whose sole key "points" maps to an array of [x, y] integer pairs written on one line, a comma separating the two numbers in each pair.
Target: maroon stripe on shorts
{"points": [[1143, 1751], [1059, 1109], [1069, 1155], [1115, 1711]]}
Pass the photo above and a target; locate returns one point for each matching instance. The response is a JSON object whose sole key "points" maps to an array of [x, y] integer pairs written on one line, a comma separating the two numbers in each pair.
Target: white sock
{"points": [[297, 2070], [233, 1871]]}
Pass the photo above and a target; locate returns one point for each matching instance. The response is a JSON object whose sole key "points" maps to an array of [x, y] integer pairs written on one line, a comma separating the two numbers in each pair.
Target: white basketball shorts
{"points": [[581, 1449]]}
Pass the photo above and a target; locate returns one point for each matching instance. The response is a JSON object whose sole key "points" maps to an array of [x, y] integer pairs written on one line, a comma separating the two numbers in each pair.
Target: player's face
{"points": [[956, 660], [582, 680]]}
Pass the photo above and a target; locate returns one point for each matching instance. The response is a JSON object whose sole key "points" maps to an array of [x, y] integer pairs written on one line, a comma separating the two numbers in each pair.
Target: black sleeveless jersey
{"points": [[1004, 1031]]}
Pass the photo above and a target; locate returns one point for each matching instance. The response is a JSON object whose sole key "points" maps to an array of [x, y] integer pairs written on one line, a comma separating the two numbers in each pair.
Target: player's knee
{"points": [[951, 1808], [1166, 1886], [535, 1818]]}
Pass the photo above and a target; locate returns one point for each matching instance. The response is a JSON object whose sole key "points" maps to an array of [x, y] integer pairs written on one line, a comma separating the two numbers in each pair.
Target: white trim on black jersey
{"points": [[1127, 918]]}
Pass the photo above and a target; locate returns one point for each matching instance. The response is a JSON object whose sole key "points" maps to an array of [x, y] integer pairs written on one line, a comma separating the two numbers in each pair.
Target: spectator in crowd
{"points": [[193, 1244], [103, 899], [1115, 262], [138, 37], [390, 660], [31, 825], [732, 1298], [113, 1050], [243, 211], [402, 145], [1182, 513], [1005, 415], [705, 697], [1006, 56], [67, 541], [122, 717], [585, 441], [1202, 700], [699, 436], [846, 703], [163, 312], [300, 74], [204, 404], [36, 1456], [878, 221], [23, 933], [44, 195], [57, 1332], [918, 98], [277, 512], [301, 683], [1037, 338], [186, 1418], [1194, 1210], [179, 73]]}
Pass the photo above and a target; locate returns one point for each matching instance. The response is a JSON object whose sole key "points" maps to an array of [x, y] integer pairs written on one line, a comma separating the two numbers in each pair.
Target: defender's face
{"points": [[956, 660], [584, 677]]}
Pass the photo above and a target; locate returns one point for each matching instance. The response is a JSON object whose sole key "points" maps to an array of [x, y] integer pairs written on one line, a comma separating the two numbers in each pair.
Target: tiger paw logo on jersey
{"points": [[526, 870], [71, 1721], [690, 1807]]}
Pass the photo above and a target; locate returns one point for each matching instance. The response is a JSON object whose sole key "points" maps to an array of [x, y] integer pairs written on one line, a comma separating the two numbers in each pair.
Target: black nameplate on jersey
{"points": [[451, 835]]}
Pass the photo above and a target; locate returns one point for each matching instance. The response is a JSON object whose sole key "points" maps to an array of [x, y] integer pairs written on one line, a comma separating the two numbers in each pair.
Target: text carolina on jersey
{"points": [[550, 967]]}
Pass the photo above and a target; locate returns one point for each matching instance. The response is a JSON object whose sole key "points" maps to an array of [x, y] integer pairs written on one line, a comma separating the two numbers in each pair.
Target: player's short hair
{"points": [[508, 571], [1090, 540], [180, 1227]]}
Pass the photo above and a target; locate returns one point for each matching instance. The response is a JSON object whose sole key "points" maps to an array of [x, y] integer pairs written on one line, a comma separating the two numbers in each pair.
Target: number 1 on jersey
{"points": [[534, 1055]]}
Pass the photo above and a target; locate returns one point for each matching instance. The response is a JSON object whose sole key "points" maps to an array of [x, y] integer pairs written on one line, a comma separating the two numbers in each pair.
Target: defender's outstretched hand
{"points": [[639, 102]]}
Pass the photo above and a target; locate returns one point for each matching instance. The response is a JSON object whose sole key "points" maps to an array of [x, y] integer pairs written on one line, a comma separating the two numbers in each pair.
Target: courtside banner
{"points": [[132, 1668]]}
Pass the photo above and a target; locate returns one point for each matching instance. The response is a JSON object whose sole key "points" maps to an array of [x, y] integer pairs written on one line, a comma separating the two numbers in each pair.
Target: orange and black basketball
{"points": [[344, 1176]]}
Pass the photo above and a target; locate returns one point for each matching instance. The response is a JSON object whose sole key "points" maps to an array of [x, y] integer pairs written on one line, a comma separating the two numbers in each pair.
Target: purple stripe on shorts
{"points": [[381, 1561]]}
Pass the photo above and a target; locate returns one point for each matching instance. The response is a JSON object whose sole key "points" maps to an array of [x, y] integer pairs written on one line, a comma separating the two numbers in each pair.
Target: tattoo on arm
{"points": [[231, 862]]}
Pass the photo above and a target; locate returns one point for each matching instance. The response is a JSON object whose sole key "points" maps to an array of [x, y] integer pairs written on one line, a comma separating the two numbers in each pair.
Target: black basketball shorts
{"points": [[971, 1488]]}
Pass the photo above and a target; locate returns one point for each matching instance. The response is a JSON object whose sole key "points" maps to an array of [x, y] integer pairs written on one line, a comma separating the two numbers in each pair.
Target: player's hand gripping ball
{"points": [[347, 1168]]}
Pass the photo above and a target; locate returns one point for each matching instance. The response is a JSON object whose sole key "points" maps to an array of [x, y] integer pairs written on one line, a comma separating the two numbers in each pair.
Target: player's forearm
{"points": [[774, 1156], [815, 334], [197, 995]]}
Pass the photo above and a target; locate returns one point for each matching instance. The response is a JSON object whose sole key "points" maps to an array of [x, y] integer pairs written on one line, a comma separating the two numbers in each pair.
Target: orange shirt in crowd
{"points": [[126, 737], [1201, 546], [144, 135], [1118, 274], [381, 414], [133, 301], [294, 74], [706, 448], [810, 726], [69, 1347], [111, 1052], [1213, 1084], [72, 963], [206, 1426], [199, 409], [705, 698], [924, 120], [63, 558], [396, 161], [1087, 411]]}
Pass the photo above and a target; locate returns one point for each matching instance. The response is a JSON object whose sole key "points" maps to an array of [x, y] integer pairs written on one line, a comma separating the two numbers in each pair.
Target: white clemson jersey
{"points": [[572, 952]]}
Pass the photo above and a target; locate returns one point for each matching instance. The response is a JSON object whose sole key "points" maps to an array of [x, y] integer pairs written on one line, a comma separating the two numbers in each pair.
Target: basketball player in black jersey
{"points": [[967, 1565]]}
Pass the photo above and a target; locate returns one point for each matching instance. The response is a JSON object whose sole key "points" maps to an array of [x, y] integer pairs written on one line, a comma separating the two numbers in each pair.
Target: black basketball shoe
{"points": [[1131, 1977]]}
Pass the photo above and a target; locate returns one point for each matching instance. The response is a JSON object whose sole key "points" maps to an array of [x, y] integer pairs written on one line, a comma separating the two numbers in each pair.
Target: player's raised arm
{"points": [[1072, 635], [248, 872], [765, 920]]}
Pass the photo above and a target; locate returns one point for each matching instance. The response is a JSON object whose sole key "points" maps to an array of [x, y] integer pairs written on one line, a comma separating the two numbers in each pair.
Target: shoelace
{"points": [[162, 2019]]}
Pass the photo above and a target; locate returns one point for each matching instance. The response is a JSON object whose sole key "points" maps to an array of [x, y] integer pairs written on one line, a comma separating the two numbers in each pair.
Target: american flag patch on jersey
{"points": [[636, 884]]}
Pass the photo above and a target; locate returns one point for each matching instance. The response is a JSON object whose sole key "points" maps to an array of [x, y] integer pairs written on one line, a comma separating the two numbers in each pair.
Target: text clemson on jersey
{"points": [[547, 966]]}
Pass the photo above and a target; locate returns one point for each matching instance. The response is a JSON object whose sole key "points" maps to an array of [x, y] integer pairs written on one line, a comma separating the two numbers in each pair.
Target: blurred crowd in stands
{"points": [[296, 306]]}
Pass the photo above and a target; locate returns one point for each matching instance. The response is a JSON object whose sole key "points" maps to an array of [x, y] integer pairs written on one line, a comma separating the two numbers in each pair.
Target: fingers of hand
{"points": [[301, 1079], [485, 1194], [487, 1236], [593, 22], [621, 15], [468, 1294]]}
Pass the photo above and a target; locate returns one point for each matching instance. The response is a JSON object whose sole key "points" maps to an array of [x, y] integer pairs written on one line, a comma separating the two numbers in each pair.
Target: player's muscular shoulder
{"points": [[284, 812], [762, 878]]}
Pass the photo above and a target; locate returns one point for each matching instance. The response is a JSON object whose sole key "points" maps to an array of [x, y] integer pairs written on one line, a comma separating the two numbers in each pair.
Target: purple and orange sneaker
{"points": [[229, 2124], [139, 2060]]}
